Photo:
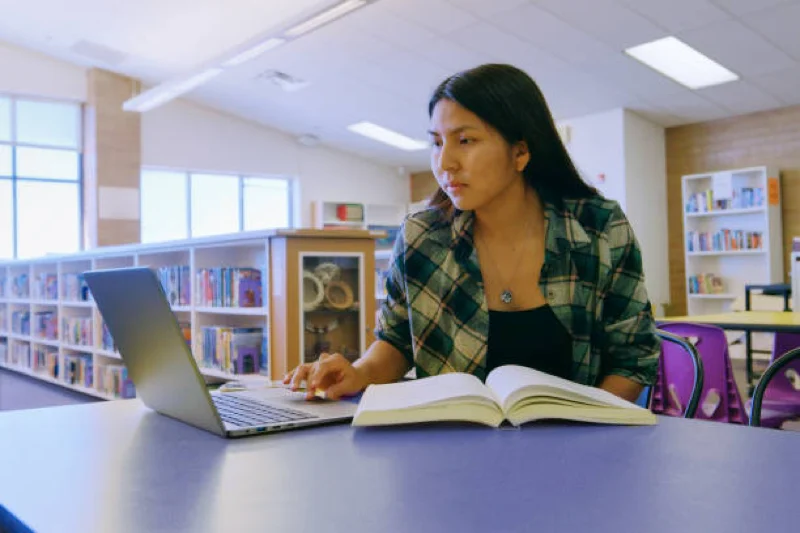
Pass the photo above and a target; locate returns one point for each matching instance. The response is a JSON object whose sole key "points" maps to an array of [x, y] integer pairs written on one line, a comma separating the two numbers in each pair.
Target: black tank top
{"points": [[533, 337]]}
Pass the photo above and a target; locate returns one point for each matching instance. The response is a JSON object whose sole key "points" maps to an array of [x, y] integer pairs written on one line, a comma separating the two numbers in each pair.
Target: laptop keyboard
{"points": [[242, 411]]}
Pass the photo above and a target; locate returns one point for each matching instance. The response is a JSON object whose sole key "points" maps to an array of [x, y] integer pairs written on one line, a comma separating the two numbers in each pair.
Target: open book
{"points": [[513, 393]]}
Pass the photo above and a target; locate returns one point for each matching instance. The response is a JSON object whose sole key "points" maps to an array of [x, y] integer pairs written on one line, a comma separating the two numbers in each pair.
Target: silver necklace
{"points": [[506, 296]]}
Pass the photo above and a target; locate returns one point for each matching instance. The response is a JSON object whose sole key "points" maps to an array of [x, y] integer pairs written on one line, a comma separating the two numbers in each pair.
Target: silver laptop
{"points": [[166, 376]]}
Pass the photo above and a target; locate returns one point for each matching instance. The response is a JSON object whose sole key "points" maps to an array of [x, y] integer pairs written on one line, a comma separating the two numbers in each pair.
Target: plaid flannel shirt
{"points": [[436, 313]]}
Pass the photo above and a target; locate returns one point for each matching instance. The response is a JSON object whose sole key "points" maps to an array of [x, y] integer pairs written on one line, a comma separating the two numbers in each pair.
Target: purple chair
{"points": [[670, 345], [775, 369], [720, 400], [781, 400]]}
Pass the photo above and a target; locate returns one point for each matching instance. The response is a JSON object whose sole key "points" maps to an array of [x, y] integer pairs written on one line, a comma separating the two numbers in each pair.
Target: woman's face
{"points": [[472, 162]]}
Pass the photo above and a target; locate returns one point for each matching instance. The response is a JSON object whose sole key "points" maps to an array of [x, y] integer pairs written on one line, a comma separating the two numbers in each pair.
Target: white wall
{"points": [[596, 146], [183, 135], [630, 152], [646, 186], [28, 73]]}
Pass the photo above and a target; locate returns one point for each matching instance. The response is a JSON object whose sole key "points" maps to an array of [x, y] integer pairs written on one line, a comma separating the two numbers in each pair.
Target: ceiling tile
{"points": [[548, 32], [578, 94], [743, 7], [689, 107], [607, 20], [631, 76], [403, 74], [784, 85], [452, 56], [740, 97], [486, 8], [738, 48], [780, 26], [678, 15], [347, 40], [504, 47], [436, 15], [379, 21]]}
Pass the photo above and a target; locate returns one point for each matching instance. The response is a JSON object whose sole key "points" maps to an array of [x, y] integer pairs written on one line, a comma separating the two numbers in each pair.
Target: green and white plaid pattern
{"points": [[436, 312]]}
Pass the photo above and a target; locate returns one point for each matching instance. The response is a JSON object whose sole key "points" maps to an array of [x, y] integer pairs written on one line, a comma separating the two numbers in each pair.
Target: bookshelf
{"points": [[732, 235], [51, 329]]}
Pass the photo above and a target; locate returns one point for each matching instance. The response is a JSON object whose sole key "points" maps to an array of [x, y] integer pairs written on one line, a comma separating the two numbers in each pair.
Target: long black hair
{"points": [[510, 101]]}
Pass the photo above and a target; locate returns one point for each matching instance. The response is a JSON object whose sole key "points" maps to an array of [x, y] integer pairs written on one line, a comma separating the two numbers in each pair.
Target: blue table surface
{"points": [[117, 466]]}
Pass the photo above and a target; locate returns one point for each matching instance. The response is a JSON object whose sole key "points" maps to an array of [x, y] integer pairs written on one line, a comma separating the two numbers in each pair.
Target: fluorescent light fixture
{"points": [[326, 16], [164, 93], [392, 138], [677, 60], [254, 52]]}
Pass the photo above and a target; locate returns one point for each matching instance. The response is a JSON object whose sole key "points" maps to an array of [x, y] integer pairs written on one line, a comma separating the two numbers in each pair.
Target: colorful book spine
{"points": [[77, 331], [176, 284], [229, 287], [45, 360], [21, 354], [75, 288], [707, 283], [113, 380], [724, 240], [21, 322], [46, 325], [743, 198], [107, 341], [20, 288], [78, 369], [45, 287], [234, 350]]}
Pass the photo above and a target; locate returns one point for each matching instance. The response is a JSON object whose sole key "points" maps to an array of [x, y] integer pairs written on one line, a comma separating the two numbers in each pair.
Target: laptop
{"points": [[165, 373]]}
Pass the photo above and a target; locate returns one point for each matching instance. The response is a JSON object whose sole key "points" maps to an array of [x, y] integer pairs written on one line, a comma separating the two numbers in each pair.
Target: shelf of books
{"points": [[733, 235], [218, 287], [50, 328]]}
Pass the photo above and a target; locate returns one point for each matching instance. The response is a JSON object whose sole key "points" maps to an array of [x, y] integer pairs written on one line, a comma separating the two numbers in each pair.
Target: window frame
{"points": [[239, 176], [14, 178]]}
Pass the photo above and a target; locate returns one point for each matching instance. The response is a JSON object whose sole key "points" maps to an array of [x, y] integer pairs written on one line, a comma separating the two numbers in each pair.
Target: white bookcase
{"points": [[244, 250], [271, 253], [732, 232]]}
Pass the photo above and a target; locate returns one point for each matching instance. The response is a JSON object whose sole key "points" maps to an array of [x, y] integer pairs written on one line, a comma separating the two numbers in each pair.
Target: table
{"points": [[117, 466], [747, 321]]}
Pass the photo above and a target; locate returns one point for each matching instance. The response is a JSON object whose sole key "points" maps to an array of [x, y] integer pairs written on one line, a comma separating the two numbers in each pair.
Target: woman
{"points": [[517, 261]]}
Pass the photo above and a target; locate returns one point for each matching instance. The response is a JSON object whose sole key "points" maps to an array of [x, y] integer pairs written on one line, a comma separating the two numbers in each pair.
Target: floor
{"points": [[22, 392]]}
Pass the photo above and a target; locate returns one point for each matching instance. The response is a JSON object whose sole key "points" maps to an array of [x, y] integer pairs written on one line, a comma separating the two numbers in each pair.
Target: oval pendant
{"points": [[505, 296]]}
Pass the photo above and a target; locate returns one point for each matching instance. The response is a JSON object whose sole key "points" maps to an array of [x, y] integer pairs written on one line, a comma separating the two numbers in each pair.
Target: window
{"points": [[266, 203], [180, 205], [40, 177], [164, 206], [215, 204]]}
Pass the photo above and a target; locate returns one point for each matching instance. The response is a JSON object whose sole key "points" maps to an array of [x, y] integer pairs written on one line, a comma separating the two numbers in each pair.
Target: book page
{"points": [[512, 383], [425, 391]]}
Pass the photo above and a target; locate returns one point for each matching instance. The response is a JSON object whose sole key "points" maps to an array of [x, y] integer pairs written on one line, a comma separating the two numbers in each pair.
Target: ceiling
{"points": [[381, 62]]}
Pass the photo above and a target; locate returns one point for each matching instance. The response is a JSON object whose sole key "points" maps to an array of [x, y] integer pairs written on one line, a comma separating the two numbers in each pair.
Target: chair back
{"points": [[783, 384], [720, 399], [775, 368], [684, 355]]}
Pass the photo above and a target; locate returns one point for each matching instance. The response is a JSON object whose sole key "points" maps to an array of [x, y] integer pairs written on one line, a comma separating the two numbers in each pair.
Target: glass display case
{"points": [[323, 295], [332, 315]]}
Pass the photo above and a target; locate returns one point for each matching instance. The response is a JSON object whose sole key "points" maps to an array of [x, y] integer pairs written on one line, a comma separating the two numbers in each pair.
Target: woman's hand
{"points": [[331, 373]]}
